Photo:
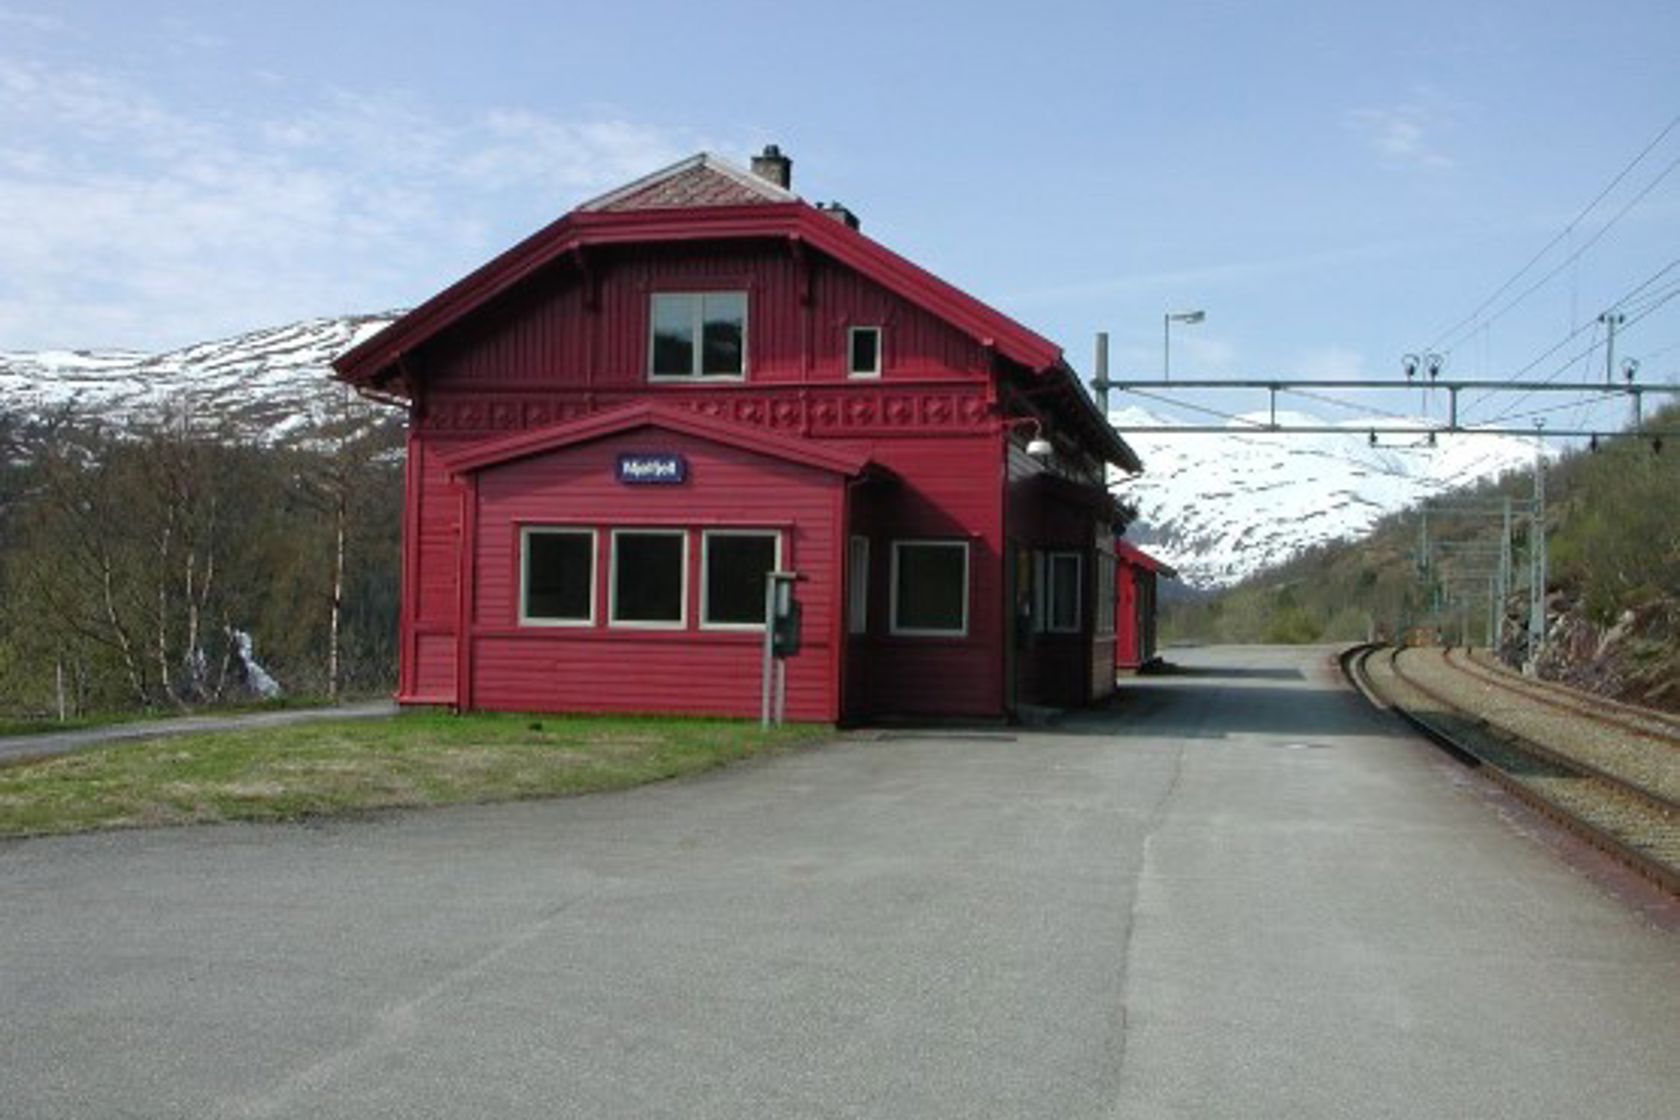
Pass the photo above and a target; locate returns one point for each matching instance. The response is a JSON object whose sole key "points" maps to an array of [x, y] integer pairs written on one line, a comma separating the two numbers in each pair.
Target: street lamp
{"points": [[1167, 321]]}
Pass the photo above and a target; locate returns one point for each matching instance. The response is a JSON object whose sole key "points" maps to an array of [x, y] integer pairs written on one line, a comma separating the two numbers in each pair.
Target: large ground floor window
{"points": [[649, 577], [557, 577], [735, 563], [930, 588], [648, 573]]}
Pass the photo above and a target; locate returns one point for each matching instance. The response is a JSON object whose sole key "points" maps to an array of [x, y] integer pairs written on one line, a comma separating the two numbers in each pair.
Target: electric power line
{"points": [[1452, 332]]}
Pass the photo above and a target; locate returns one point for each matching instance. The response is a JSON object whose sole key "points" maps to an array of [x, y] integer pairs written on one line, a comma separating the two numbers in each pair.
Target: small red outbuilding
{"points": [[621, 425], [1136, 575]]}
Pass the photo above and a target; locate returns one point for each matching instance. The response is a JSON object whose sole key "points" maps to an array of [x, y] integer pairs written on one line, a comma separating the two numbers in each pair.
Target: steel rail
{"points": [[1643, 722]]}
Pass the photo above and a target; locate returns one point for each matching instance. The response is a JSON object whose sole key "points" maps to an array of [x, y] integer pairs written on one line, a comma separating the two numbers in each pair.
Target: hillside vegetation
{"points": [[1613, 532], [166, 567]]}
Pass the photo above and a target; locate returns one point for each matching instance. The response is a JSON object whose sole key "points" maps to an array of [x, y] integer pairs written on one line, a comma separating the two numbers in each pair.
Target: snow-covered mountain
{"points": [[269, 386], [1221, 506], [1218, 507]]}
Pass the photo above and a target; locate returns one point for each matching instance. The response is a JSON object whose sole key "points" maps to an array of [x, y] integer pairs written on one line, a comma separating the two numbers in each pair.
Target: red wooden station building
{"points": [[619, 426]]}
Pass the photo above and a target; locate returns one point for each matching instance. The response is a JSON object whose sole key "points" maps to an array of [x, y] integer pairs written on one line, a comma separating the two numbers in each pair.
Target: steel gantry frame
{"points": [[1386, 424], [1155, 389]]}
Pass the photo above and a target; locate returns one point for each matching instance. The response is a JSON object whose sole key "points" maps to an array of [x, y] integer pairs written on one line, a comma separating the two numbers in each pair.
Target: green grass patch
{"points": [[350, 766]]}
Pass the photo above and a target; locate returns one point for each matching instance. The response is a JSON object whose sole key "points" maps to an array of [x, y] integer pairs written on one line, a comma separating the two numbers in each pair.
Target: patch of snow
{"points": [[1221, 506]]}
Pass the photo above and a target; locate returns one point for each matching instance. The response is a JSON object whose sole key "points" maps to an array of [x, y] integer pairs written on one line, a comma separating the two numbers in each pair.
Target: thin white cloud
{"points": [[132, 223], [38, 22], [1208, 275], [1402, 135]]}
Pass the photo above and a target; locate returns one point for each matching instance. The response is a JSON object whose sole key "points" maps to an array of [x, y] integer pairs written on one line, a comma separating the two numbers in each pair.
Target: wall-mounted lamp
{"points": [[1037, 446]]}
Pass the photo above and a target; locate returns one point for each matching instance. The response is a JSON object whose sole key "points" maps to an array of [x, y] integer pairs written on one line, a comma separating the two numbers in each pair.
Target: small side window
{"points": [[863, 352], [857, 586], [1063, 593], [930, 588]]}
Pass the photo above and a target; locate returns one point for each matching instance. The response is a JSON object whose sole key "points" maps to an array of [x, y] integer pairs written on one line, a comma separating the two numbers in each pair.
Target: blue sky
{"points": [[1335, 183]]}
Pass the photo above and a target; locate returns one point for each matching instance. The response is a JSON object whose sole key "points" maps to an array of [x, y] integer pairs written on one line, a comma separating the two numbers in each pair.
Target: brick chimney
{"points": [[771, 164]]}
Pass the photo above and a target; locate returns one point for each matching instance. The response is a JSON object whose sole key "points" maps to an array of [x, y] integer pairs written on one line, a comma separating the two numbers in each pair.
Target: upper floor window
{"points": [[698, 334], [863, 352]]}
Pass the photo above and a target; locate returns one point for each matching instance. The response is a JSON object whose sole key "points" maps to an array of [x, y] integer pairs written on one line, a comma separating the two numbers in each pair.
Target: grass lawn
{"points": [[414, 759]]}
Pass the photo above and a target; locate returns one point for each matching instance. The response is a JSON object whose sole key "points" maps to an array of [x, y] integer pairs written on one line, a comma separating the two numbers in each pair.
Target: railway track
{"points": [[1614, 788], [1641, 722]]}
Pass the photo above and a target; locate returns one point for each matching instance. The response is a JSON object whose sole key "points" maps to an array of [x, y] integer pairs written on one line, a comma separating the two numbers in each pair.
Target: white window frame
{"points": [[1050, 584], [705, 584], [526, 532], [924, 632], [880, 360], [612, 580], [857, 585], [697, 327]]}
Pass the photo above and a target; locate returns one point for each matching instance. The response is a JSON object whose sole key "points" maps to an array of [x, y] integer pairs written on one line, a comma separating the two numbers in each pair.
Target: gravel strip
{"points": [[1633, 758]]}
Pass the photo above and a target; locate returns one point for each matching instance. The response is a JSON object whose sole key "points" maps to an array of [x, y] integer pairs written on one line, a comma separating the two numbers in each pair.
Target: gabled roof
{"points": [[700, 180], [726, 202], [626, 418], [1137, 557]]}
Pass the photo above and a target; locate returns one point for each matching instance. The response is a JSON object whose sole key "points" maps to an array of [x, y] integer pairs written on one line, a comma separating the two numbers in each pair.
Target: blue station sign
{"points": [[652, 468]]}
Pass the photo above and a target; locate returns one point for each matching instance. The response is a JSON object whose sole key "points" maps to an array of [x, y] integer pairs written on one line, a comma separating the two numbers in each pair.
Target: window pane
{"points": [[558, 570], [1064, 592], [724, 332], [866, 350], [673, 335], [735, 569], [932, 587], [647, 577]]}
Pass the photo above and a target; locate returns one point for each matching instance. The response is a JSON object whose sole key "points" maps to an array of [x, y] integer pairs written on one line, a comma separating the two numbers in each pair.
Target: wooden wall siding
{"points": [[950, 489], [914, 344], [543, 337], [1054, 669], [605, 668], [533, 338], [1127, 634], [1102, 666], [434, 669], [439, 520]]}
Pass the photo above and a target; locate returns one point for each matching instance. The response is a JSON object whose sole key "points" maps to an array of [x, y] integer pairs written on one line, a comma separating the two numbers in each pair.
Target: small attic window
{"points": [[863, 352]]}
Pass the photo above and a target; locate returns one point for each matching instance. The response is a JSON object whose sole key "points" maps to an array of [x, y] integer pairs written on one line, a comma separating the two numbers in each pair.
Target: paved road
{"points": [[1239, 894], [24, 748]]}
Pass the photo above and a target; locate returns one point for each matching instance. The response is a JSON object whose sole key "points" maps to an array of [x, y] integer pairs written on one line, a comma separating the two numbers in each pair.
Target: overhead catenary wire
{"points": [[1639, 310], [1580, 252], [1649, 310], [1452, 333]]}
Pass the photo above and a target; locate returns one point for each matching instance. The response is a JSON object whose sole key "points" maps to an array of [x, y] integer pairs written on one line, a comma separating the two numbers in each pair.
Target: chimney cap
{"points": [[840, 213]]}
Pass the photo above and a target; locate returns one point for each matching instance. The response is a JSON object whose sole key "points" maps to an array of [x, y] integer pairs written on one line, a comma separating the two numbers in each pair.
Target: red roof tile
{"points": [[696, 186]]}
